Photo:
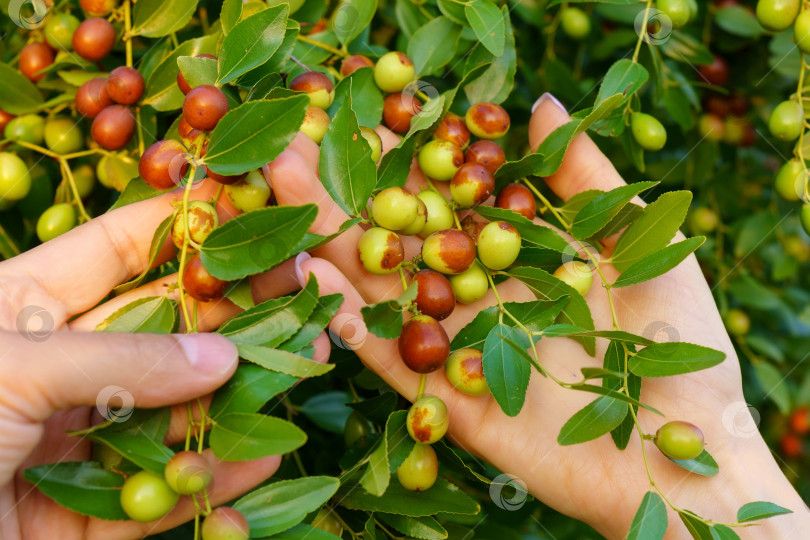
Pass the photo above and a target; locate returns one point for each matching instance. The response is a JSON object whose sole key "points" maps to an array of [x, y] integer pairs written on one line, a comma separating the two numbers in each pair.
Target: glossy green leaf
{"points": [[658, 263], [665, 359], [283, 361], [157, 243], [198, 71], [395, 165], [506, 370], [597, 418], [384, 319], [328, 410], [535, 316], [230, 14], [321, 316], [512, 171], [157, 18], [82, 487], [569, 330], [442, 497], [252, 42], [150, 314], [695, 525], [738, 21], [774, 385], [487, 22], [650, 521], [304, 532], [245, 436], [425, 527], [351, 17], [704, 464], [496, 82], [721, 532], [18, 95], [757, 510], [367, 99], [600, 210], [142, 450], [624, 77], [248, 390], [433, 45]]}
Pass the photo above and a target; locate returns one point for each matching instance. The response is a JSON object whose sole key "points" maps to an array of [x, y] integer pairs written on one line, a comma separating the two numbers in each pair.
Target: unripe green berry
{"points": [[63, 136], [85, 178], [575, 23], [357, 428], [380, 251], [777, 15], [326, 521], [395, 208], [703, 220], [316, 123], [427, 420], [439, 215], [801, 32], [59, 31], [440, 160], [498, 245], [420, 469], [804, 217], [679, 440], [56, 220], [146, 496], [393, 72], [737, 322], [225, 523], [711, 127], [450, 251], [648, 132], [471, 285], [374, 141], [188, 472], [252, 193], [418, 224], [465, 371], [15, 180], [787, 121], [28, 128], [791, 180], [576, 274], [202, 219], [678, 11]]}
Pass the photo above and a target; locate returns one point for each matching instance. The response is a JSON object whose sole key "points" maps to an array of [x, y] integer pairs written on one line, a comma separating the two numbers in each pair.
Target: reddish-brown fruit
{"points": [[738, 104], [486, 153], [35, 57], [226, 180], [92, 97], [518, 198], [472, 227], [94, 39], [319, 26], [749, 137], [113, 127], [5, 118], [98, 8], [204, 107], [453, 128], [800, 421], [125, 85], [717, 104], [353, 63], [715, 73], [487, 120], [423, 344], [434, 294], [450, 251], [791, 446], [318, 86], [164, 164], [398, 109], [200, 284], [472, 184], [181, 80]]}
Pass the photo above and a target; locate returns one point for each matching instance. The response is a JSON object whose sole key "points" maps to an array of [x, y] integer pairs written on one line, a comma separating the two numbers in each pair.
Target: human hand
{"points": [[594, 481], [54, 369]]}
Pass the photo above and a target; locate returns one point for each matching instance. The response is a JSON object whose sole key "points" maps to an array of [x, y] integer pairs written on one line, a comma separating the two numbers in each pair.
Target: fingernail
{"points": [[299, 260], [548, 97], [209, 353]]}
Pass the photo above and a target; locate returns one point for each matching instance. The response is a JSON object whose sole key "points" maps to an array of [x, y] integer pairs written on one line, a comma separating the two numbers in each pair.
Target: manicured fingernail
{"points": [[299, 260], [209, 353], [548, 97]]}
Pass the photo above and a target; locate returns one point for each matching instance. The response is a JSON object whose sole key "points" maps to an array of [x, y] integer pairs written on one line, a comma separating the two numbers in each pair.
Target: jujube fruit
{"points": [[326, 520], [791, 180], [94, 39], [487, 120], [374, 142], [201, 219], [453, 128], [717, 104], [63, 136], [114, 171], [318, 86], [703, 220], [576, 274], [800, 421], [465, 371], [125, 85], [434, 294], [188, 472], [791, 446], [423, 344], [225, 523], [439, 215], [711, 127], [486, 153], [777, 15], [28, 128], [200, 284], [498, 245], [677, 10], [251, 193], [146, 496], [737, 322], [787, 121], [92, 97], [427, 420], [450, 251], [394, 208], [804, 217], [163, 165], [418, 224], [398, 109], [679, 440], [56, 220], [357, 427], [801, 31], [5, 118], [85, 178], [518, 198], [648, 132], [471, 185], [380, 251], [35, 57], [204, 106], [352, 63], [59, 31], [15, 179], [98, 8], [471, 285], [440, 160], [575, 23], [393, 72], [420, 469], [181, 79], [716, 73], [315, 124], [113, 127]]}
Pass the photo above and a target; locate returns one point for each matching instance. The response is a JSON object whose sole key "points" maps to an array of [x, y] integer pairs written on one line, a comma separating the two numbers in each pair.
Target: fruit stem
{"points": [[196, 518], [190, 415], [422, 381], [140, 130], [642, 35], [300, 63], [402, 278], [547, 204], [127, 28], [207, 502], [324, 46], [184, 252]]}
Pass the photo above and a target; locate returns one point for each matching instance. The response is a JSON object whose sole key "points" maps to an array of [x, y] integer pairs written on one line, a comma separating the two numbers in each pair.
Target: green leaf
{"points": [[531, 233], [328, 410], [321, 316], [384, 319], [695, 525], [535, 316], [82, 487], [376, 477], [431, 112], [665, 359], [496, 82], [312, 55], [704, 464], [570, 330], [151, 314], [600, 210], [230, 14], [774, 385], [721, 532], [395, 165], [140, 449], [755, 511], [283, 361], [653, 230], [245, 436], [157, 18], [615, 357], [312, 241], [158, 240], [650, 521], [367, 99], [240, 293], [400, 443], [434, 45], [252, 42], [351, 17], [658, 263], [198, 71], [594, 420], [257, 241], [442, 497], [378, 408], [254, 134], [486, 21], [291, 500], [624, 77], [162, 91], [304, 532], [506, 370], [248, 390], [738, 21], [347, 171], [18, 95], [424, 527], [512, 171]]}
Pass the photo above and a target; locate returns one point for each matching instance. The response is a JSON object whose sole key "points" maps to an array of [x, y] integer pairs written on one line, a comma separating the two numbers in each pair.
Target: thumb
{"points": [[134, 370]]}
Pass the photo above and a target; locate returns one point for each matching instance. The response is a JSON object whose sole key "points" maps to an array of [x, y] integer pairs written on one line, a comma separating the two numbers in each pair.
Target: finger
{"points": [[144, 370], [231, 479]]}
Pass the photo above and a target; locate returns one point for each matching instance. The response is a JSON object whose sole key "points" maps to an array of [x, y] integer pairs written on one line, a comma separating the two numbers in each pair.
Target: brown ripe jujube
{"points": [[452, 128], [715, 73], [353, 63], [181, 80], [113, 127], [125, 85], [200, 284], [398, 109], [163, 164], [92, 97], [5, 118], [434, 294], [450, 251], [94, 39], [222, 179], [35, 57], [717, 104], [518, 198], [487, 120], [486, 153], [423, 344], [471, 185], [204, 107], [98, 8]]}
